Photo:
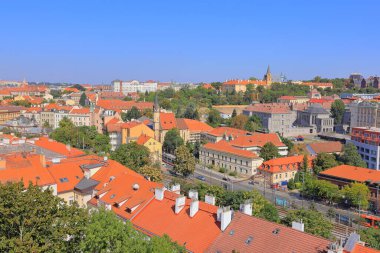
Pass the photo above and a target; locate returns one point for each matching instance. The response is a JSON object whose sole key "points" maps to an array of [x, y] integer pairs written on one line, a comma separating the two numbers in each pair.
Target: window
{"points": [[64, 180]]}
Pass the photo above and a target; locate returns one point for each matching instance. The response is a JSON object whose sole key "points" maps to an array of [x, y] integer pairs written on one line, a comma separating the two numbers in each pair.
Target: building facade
{"points": [[126, 87]]}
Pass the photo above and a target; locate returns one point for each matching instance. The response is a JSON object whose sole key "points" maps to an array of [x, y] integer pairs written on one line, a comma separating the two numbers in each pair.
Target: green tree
{"points": [[65, 133], [79, 87], [356, 195], [191, 112], [305, 163], [371, 236], [351, 156], [83, 99], [154, 174], [234, 113], [102, 143], [214, 119], [269, 151], [323, 162], [184, 162], [33, 220], [320, 190], [287, 142], [132, 155], [315, 223], [107, 233], [133, 113], [337, 111], [172, 140], [239, 121]]}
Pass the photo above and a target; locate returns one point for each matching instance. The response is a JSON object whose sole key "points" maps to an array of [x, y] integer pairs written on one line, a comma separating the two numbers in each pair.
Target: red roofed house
{"points": [[279, 171], [314, 85], [256, 141], [223, 155], [345, 174], [53, 149], [192, 129], [223, 133], [330, 147], [27, 168], [155, 147]]}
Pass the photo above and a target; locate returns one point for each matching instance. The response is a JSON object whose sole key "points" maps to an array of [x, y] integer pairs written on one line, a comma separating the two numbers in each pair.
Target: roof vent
{"points": [[249, 240], [276, 231], [136, 187]]}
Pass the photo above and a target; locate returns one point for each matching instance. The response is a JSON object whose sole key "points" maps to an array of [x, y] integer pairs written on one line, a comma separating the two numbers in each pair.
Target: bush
{"points": [[233, 173], [222, 170], [298, 185]]}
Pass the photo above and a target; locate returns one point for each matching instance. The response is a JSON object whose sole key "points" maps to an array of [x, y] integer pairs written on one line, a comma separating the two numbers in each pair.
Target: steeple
{"points": [[268, 76], [156, 106], [268, 70]]}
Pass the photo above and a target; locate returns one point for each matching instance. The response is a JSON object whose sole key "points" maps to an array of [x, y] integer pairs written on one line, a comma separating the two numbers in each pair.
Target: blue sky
{"points": [[187, 40]]}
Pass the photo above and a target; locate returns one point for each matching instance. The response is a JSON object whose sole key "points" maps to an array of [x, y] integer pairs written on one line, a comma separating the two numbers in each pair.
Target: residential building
{"points": [[330, 147], [293, 99], [126, 87], [33, 113], [365, 114], [316, 118], [155, 147], [345, 174], [367, 141], [192, 129], [223, 133], [80, 116], [256, 141], [279, 171], [275, 117], [223, 155], [315, 85], [9, 112]]}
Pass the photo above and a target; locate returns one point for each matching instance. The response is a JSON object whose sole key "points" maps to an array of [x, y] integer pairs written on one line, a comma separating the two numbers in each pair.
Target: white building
{"points": [[133, 86]]}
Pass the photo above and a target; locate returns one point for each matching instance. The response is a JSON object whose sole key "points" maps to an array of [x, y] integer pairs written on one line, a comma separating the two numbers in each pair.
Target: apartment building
{"points": [[365, 114], [126, 87], [9, 112], [316, 118], [223, 155], [367, 141]]}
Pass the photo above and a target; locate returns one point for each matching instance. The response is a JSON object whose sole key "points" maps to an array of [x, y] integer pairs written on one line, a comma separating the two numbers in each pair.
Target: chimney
{"points": [[179, 204], [68, 147], [246, 207], [194, 207], [335, 248], [3, 164], [43, 161], [209, 199], [176, 188], [193, 194], [225, 218], [159, 193], [300, 226]]}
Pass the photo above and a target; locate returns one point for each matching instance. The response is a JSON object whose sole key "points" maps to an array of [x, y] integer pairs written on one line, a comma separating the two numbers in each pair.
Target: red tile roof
{"points": [[273, 108], [223, 146], [57, 147], [326, 147], [26, 168], [353, 173], [287, 97], [193, 125], [67, 173], [257, 140], [281, 164], [317, 84], [208, 86], [196, 233], [117, 105], [143, 139], [167, 120], [228, 131], [245, 82], [80, 111], [263, 238], [362, 249], [33, 109]]}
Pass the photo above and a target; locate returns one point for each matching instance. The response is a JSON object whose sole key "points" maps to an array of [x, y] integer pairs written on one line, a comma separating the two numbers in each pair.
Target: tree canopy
{"points": [[337, 111], [133, 113], [356, 195], [184, 162], [269, 151], [371, 236], [154, 174], [132, 155], [323, 162], [83, 99], [172, 140], [351, 156]]}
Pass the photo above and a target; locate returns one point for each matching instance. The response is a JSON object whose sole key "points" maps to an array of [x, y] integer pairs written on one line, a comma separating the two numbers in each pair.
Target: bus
{"points": [[370, 220], [168, 158]]}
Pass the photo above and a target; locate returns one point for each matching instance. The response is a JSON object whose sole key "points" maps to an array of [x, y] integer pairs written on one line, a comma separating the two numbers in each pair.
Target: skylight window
{"points": [[232, 232], [112, 196], [249, 240], [64, 180]]}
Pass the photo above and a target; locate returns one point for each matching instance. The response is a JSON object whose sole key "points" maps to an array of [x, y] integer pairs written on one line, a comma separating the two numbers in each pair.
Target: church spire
{"points": [[268, 70], [156, 106]]}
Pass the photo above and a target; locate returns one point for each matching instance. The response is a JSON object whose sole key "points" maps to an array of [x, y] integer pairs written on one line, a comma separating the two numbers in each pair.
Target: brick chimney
{"points": [[246, 207], [159, 193], [300, 226], [193, 194], [180, 204], [209, 199], [194, 207]]}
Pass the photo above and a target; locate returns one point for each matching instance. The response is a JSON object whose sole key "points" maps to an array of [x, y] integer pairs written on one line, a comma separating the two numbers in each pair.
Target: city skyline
{"points": [[95, 42]]}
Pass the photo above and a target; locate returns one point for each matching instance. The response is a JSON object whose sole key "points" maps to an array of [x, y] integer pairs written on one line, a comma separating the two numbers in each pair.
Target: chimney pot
{"points": [[159, 193], [194, 207], [209, 199], [246, 207], [176, 188], [225, 218], [193, 194], [180, 204], [298, 226]]}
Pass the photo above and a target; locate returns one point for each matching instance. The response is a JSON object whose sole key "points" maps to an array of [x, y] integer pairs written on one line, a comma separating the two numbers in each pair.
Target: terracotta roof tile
{"points": [[167, 120], [257, 140], [290, 163], [57, 147], [326, 147], [273, 108], [223, 146], [143, 139], [193, 125], [221, 131], [353, 173]]}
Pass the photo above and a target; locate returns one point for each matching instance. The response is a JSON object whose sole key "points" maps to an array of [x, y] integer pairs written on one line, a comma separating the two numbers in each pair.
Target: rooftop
{"points": [[193, 125], [228, 131], [325, 147], [224, 146], [273, 108], [353, 173], [167, 120], [57, 147], [281, 164], [257, 140]]}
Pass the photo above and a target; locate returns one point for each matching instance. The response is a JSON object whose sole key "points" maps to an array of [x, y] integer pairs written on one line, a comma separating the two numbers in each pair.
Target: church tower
{"points": [[156, 119], [268, 76]]}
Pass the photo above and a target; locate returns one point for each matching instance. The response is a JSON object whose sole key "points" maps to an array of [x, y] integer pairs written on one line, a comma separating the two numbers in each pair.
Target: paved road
{"points": [[292, 198]]}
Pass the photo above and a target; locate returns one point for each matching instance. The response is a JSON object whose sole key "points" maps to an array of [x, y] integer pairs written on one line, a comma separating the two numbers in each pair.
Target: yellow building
{"points": [[154, 146], [131, 131], [9, 112]]}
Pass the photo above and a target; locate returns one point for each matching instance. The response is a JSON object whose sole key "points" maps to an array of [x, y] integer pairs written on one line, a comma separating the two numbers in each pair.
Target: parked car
{"points": [[202, 178], [225, 179], [251, 182]]}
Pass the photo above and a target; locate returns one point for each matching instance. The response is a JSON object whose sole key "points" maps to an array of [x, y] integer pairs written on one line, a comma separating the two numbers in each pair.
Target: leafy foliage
{"points": [[323, 162], [371, 236], [269, 151], [172, 140], [133, 113], [132, 155], [240, 121], [337, 111], [214, 119], [314, 222], [184, 162], [356, 195], [351, 156], [154, 174], [83, 99]]}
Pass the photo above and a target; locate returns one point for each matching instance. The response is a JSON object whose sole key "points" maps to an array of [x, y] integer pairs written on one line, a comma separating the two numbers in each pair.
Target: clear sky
{"points": [[187, 40]]}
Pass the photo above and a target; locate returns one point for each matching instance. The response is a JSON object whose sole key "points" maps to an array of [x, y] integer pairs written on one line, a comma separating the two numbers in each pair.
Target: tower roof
{"points": [[268, 70], [156, 105]]}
